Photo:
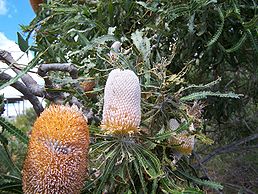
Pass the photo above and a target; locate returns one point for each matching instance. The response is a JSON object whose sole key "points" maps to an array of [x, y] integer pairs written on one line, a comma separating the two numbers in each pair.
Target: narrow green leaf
{"points": [[148, 161], [252, 23], [2, 104], [168, 186], [108, 170], [252, 35], [219, 31], [141, 175], [23, 44], [205, 94], [11, 187], [154, 186], [208, 183], [3, 140], [7, 162], [238, 44]]}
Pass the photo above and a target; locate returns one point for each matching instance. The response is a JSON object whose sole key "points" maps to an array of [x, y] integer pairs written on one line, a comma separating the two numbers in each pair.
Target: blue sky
{"points": [[12, 14]]}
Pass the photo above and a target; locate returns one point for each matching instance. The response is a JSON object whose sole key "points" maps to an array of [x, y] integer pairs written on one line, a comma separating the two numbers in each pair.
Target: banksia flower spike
{"points": [[184, 139], [56, 160], [122, 97]]}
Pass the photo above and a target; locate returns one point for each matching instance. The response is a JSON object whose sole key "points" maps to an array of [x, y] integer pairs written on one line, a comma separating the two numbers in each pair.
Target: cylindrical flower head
{"points": [[122, 97], [56, 160], [186, 141]]}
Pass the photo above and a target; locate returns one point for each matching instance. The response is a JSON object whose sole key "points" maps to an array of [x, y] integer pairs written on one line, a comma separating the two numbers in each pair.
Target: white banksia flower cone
{"points": [[122, 97]]}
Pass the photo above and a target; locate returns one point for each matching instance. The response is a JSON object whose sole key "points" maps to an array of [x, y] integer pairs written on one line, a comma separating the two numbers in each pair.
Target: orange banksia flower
{"points": [[56, 160], [122, 97]]}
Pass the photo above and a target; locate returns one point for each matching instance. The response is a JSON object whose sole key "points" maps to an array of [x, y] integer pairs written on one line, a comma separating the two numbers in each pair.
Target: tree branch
{"points": [[32, 85], [228, 148], [64, 67], [30, 89], [26, 92]]}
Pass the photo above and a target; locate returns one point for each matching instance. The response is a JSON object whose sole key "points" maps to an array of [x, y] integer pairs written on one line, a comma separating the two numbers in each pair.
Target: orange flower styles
{"points": [[57, 155]]}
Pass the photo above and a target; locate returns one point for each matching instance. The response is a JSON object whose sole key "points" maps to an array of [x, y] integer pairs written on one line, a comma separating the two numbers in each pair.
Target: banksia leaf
{"points": [[122, 97], [57, 155]]}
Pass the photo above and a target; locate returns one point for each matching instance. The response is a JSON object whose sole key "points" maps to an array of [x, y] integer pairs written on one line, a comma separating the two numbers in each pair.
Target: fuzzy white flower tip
{"points": [[122, 97]]}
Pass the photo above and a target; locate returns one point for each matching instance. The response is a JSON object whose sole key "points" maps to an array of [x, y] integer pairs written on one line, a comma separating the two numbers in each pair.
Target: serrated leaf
{"points": [[207, 183], [205, 94], [203, 86], [99, 40], [6, 161], [108, 170], [150, 6], [142, 44], [219, 31], [238, 44], [13, 130], [148, 161]]}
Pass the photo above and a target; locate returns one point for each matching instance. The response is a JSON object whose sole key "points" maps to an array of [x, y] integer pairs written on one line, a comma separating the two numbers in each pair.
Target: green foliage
{"points": [[25, 121], [13, 130], [23, 44], [6, 159], [205, 94], [10, 184]]}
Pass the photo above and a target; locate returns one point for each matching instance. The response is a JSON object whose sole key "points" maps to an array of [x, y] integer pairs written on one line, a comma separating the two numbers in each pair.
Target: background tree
{"points": [[189, 55]]}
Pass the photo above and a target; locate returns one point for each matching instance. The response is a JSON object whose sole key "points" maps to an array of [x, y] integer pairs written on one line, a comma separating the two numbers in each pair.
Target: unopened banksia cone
{"points": [[56, 160], [184, 140], [122, 97]]}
